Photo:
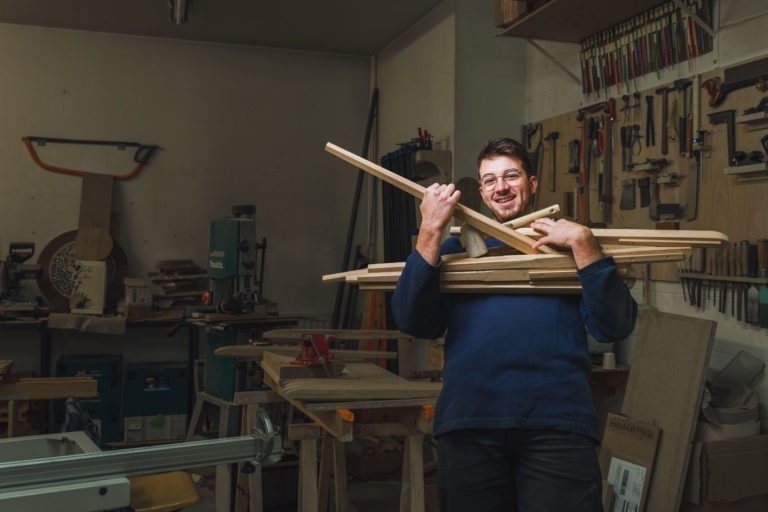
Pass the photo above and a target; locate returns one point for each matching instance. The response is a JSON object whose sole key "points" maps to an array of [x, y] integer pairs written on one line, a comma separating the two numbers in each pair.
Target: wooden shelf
{"points": [[572, 21], [754, 118], [749, 172]]}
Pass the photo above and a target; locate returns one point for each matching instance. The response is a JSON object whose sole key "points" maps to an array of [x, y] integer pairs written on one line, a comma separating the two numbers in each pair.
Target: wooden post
{"points": [[412, 487]]}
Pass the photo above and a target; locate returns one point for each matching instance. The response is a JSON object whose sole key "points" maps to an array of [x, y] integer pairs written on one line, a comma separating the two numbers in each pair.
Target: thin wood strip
{"points": [[340, 277], [339, 334], [605, 236], [476, 219], [664, 242]]}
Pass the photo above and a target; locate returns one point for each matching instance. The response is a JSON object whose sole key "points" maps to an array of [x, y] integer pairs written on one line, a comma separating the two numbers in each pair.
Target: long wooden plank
{"points": [[509, 288], [507, 235], [339, 334], [257, 351], [44, 388], [613, 236]]}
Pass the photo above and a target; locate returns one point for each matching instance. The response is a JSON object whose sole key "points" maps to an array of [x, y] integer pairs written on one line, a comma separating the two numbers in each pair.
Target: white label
{"points": [[627, 480]]}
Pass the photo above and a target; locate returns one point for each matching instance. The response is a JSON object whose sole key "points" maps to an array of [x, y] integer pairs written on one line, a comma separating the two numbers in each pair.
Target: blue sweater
{"points": [[514, 360]]}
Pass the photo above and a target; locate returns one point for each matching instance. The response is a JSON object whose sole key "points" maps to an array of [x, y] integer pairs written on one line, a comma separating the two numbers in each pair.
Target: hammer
{"points": [[682, 106], [474, 242], [664, 113]]}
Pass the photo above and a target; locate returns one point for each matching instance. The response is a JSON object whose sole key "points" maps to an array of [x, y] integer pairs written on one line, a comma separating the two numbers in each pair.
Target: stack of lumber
{"points": [[539, 270], [542, 273], [178, 281]]}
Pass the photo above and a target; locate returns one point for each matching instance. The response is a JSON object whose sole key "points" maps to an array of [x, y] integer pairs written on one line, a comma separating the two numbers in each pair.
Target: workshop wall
{"points": [[725, 204], [235, 124]]}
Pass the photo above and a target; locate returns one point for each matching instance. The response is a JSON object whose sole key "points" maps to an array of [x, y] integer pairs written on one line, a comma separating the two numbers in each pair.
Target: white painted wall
{"points": [[237, 125], [741, 36], [416, 77], [490, 84]]}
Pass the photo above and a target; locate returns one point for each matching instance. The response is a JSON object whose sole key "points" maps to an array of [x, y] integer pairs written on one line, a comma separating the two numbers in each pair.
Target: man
{"points": [[515, 426]]}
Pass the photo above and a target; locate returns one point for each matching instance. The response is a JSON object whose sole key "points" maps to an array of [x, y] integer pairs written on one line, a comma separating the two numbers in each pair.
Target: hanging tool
{"points": [[664, 91], [573, 156], [140, 157], [605, 175], [650, 135], [729, 118], [737, 77], [682, 105], [552, 138], [627, 194]]}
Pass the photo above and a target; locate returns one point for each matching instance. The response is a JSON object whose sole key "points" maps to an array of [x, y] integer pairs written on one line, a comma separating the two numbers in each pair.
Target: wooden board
{"points": [[339, 334], [93, 241], [486, 225], [360, 381], [43, 388], [257, 351], [670, 360]]}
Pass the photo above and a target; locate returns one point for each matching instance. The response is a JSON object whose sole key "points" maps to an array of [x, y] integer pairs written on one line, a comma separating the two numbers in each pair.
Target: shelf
{"points": [[754, 118], [572, 21], [750, 172]]}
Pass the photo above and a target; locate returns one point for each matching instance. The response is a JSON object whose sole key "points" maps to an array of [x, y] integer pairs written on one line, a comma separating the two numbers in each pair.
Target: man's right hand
{"points": [[436, 211]]}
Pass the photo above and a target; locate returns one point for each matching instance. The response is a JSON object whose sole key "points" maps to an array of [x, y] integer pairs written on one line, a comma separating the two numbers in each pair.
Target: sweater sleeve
{"points": [[418, 307], [608, 309]]}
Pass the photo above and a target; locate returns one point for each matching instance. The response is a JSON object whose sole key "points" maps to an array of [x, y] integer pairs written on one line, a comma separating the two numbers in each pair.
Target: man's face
{"points": [[506, 188]]}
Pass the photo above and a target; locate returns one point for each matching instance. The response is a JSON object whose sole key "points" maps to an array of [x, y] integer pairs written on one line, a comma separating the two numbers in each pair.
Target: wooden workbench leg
{"points": [[228, 427], [248, 497], [324, 477], [340, 475], [412, 487], [13, 418], [195, 419], [308, 475]]}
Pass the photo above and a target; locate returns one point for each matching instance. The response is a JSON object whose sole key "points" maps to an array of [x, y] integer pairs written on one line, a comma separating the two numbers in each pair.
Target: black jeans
{"points": [[514, 470]]}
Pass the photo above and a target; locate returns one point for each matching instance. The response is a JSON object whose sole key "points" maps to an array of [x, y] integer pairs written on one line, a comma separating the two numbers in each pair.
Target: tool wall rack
{"points": [[620, 40]]}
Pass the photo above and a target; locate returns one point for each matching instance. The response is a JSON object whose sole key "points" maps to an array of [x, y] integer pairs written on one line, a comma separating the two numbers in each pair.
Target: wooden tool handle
{"points": [[527, 219], [499, 231]]}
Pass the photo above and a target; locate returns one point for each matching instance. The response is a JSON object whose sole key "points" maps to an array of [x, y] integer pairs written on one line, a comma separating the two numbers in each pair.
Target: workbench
{"points": [[333, 405]]}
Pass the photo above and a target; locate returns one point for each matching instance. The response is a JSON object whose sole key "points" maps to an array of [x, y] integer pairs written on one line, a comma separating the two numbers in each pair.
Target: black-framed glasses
{"points": [[489, 181]]}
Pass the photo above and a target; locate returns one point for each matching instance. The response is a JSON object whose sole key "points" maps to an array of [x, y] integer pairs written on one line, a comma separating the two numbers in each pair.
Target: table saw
{"points": [[67, 472]]}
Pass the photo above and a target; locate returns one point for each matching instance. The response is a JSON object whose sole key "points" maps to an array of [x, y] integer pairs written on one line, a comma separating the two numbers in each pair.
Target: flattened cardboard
{"points": [[633, 441], [735, 468], [665, 387]]}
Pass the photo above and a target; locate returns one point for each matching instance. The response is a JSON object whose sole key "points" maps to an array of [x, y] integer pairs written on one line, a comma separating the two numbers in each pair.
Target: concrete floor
{"points": [[365, 496]]}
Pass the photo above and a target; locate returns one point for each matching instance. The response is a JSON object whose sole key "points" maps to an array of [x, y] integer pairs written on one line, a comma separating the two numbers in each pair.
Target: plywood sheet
{"points": [[359, 381], [665, 387]]}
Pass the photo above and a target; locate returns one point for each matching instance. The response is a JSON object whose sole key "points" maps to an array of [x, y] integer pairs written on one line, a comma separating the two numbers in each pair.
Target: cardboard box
{"points": [[627, 454], [138, 298], [726, 470]]}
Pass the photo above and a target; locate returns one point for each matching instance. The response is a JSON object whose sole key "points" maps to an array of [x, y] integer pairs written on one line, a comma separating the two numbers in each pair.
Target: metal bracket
{"points": [[557, 63], [695, 17]]}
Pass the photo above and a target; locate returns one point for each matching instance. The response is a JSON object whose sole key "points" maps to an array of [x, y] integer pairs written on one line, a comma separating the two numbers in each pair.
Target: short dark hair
{"points": [[506, 147]]}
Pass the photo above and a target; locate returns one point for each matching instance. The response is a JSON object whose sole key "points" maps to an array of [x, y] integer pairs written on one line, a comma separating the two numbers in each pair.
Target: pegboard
{"points": [[732, 204]]}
